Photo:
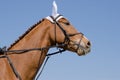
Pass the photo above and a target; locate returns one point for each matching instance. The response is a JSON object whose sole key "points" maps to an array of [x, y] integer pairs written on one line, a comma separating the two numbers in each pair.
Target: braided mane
{"points": [[24, 34]]}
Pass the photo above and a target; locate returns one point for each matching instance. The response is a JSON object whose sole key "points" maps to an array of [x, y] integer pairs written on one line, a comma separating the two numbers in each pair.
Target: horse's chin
{"points": [[79, 50], [82, 52]]}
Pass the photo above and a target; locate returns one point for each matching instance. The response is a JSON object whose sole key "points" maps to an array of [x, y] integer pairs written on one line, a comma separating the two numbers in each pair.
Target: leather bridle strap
{"points": [[64, 32]]}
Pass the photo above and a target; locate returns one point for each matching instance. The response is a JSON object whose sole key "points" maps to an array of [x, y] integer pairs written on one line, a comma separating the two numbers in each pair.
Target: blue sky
{"points": [[99, 20]]}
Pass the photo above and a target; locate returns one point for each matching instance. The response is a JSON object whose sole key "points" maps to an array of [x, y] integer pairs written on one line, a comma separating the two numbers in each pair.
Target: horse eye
{"points": [[67, 23]]}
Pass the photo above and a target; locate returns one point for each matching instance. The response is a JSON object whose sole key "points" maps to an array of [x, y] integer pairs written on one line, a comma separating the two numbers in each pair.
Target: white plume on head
{"points": [[54, 13], [54, 10]]}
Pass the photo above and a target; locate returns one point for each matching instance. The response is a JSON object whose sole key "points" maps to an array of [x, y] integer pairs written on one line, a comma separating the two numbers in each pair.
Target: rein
{"points": [[66, 41], [5, 54]]}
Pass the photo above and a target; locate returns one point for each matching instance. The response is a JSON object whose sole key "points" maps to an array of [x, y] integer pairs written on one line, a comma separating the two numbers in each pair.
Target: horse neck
{"points": [[28, 63]]}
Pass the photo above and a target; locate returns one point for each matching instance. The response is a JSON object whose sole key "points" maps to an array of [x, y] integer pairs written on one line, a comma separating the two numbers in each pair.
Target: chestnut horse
{"points": [[51, 31]]}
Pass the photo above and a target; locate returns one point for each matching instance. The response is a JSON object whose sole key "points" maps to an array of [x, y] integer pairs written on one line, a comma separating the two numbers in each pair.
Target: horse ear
{"points": [[54, 10]]}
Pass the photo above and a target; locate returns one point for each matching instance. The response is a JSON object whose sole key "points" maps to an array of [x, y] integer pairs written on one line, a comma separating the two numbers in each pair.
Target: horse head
{"points": [[65, 33]]}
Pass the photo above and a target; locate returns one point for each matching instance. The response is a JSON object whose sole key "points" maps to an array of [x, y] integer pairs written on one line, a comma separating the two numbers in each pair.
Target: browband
{"points": [[51, 18]]}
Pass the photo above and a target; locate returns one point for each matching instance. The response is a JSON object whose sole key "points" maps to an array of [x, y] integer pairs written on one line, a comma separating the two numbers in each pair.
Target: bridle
{"points": [[4, 52], [67, 36]]}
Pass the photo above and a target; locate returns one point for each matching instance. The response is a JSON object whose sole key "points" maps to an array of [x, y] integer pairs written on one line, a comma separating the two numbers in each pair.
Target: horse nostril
{"points": [[88, 44]]}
